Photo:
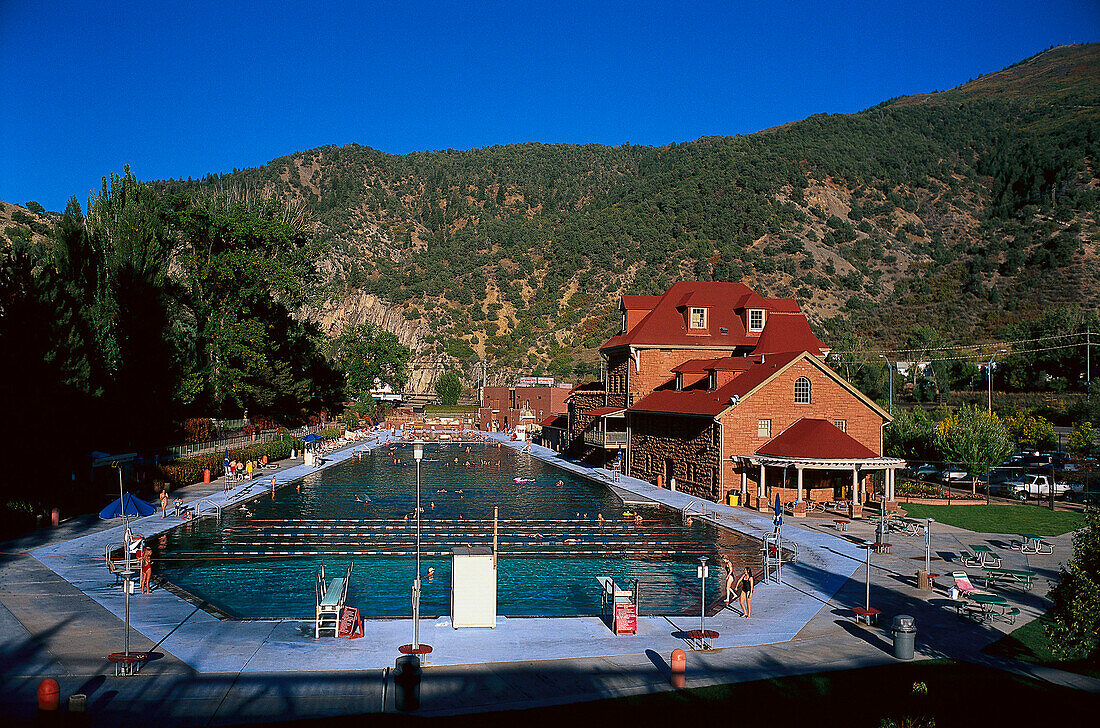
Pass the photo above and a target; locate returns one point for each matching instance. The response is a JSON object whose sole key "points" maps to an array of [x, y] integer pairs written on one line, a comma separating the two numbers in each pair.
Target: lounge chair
{"points": [[962, 583]]}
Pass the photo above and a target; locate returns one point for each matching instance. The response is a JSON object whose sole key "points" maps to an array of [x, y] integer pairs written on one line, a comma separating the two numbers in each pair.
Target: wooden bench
{"points": [[840, 524], [869, 615], [882, 548]]}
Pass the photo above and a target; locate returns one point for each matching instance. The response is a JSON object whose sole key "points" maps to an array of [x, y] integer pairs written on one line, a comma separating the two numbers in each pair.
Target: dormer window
{"points": [[624, 322], [712, 380], [698, 319], [679, 381], [756, 319]]}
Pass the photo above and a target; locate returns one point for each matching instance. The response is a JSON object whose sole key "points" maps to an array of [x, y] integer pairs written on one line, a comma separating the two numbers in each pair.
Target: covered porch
{"points": [[788, 477]]}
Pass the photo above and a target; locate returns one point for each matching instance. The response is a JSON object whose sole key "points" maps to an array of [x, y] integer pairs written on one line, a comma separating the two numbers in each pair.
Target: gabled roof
{"points": [[815, 440], [698, 401], [788, 331], [666, 322], [701, 402], [559, 421]]}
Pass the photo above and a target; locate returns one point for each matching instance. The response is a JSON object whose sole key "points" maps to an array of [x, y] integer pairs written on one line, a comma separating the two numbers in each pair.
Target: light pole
{"points": [[867, 576], [890, 374], [703, 603], [928, 546], [989, 378], [418, 455]]}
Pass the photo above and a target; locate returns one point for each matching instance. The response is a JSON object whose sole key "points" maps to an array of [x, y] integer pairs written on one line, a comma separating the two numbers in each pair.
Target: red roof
{"points": [[602, 411], [666, 322], [817, 440], [786, 331], [559, 421], [698, 401]]}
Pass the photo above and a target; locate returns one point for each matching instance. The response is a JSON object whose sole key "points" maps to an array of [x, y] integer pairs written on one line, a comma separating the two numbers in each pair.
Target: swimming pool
{"points": [[259, 560]]}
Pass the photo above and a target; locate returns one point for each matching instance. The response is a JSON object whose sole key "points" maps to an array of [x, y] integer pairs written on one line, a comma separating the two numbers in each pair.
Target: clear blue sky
{"points": [[181, 89]]}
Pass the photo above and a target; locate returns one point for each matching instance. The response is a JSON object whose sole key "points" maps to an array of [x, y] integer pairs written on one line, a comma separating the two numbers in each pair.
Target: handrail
{"points": [[215, 506]]}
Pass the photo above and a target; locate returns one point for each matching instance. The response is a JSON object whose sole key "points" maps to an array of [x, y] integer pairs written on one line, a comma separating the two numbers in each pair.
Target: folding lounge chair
{"points": [[962, 583]]}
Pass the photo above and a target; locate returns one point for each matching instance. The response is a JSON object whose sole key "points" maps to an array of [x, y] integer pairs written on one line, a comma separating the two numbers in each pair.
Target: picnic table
{"points": [[908, 526], [991, 607], [1032, 544], [982, 556], [1015, 576]]}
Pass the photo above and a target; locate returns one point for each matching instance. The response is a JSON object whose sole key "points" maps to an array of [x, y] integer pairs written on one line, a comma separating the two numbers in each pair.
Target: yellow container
{"points": [[735, 499]]}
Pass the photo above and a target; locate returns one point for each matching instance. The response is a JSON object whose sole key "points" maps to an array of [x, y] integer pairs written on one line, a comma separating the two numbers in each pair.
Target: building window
{"points": [[698, 318], [763, 428], [624, 322], [802, 390], [756, 319], [841, 425]]}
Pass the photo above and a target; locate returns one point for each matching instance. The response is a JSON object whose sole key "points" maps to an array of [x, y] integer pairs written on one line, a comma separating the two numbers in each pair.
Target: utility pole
{"points": [[890, 374], [1088, 363], [989, 377]]}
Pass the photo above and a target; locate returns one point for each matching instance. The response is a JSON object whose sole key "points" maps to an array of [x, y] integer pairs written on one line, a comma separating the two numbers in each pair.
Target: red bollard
{"points": [[49, 694], [206, 475], [678, 677], [55, 516]]}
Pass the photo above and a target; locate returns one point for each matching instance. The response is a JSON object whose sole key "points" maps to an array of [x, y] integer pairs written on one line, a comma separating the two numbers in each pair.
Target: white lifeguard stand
{"points": [[473, 587]]}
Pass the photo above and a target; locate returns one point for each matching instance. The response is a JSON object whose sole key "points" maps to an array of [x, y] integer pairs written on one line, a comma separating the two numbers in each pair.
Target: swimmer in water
{"points": [[600, 518], [433, 505], [431, 573], [560, 482]]}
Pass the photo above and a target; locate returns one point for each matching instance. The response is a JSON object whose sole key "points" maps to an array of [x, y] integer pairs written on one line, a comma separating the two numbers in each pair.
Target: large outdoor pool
{"points": [[260, 559]]}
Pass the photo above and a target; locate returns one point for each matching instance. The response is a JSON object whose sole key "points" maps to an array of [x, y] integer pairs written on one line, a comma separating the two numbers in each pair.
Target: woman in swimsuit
{"points": [[744, 588]]}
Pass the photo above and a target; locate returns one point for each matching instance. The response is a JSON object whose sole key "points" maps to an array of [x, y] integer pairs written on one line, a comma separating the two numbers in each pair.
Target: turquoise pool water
{"points": [[260, 559]]}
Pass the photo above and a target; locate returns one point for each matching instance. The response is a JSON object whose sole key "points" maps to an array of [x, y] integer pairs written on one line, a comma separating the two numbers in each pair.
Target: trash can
{"points": [[880, 533], [734, 498], [406, 683], [905, 636]]}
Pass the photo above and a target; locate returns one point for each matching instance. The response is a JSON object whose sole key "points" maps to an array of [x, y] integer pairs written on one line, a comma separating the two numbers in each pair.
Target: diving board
{"points": [[330, 601]]}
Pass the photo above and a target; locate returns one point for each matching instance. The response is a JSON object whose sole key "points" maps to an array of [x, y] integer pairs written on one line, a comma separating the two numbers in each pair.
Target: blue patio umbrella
{"points": [[311, 437], [134, 507], [778, 511]]}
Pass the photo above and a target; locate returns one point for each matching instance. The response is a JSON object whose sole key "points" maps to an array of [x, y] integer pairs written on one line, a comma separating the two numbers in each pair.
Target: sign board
{"points": [[626, 619], [473, 587], [528, 381], [350, 626], [545, 381], [702, 572]]}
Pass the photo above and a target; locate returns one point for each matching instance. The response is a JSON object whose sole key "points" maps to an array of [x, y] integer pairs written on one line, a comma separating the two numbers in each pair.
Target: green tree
{"points": [[35, 207], [1075, 615], [365, 353], [1029, 430], [1082, 439], [449, 387], [974, 439], [911, 435]]}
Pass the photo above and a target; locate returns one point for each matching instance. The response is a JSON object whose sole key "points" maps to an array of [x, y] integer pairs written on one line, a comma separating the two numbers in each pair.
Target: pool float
{"points": [[524, 480]]}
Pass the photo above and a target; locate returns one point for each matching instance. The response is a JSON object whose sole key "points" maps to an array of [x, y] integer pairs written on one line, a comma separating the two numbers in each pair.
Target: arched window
{"points": [[802, 390]]}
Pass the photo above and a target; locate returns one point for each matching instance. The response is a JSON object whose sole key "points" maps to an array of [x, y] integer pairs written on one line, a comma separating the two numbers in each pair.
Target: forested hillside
{"points": [[976, 206], [971, 209]]}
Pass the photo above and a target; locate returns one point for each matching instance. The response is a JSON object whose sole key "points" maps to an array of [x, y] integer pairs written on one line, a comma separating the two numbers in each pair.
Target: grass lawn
{"points": [[1030, 643], [1009, 519], [871, 697]]}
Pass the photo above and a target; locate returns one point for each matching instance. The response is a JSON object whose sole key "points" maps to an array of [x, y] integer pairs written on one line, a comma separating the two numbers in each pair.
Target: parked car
{"points": [[954, 474], [1034, 486], [1076, 493], [926, 473]]}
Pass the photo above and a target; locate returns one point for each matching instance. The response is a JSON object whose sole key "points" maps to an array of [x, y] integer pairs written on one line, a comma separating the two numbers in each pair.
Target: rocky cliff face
{"points": [[356, 308]]}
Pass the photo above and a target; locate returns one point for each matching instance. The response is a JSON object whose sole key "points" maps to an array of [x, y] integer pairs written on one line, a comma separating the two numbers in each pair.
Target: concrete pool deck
{"points": [[208, 644], [62, 613]]}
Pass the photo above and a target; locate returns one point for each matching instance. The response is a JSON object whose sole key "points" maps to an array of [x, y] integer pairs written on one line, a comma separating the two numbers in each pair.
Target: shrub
{"points": [[186, 471]]}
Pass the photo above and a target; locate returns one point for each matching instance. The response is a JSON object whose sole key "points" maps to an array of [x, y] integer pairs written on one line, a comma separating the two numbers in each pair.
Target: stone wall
{"points": [[689, 444]]}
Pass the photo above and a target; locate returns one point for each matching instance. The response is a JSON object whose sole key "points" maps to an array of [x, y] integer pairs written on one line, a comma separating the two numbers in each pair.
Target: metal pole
{"points": [[418, 455], [703, 602], [989, 378], [1052, 472], [867, 577], [928, 545], [1088, 363]]}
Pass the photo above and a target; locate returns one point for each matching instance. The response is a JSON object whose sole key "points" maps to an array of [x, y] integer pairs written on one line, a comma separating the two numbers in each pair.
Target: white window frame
{"points": [[841, 425], [753, 312], [691, 317], [764, 428], [808, 394]]}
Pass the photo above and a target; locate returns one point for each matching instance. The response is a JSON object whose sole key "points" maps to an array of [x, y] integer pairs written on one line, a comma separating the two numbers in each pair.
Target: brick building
{"points": [[502, 408], [712, 389]]}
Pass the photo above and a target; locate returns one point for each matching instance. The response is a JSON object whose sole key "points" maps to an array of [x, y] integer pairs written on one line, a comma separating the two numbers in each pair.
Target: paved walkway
{"points": [[60, 616]]}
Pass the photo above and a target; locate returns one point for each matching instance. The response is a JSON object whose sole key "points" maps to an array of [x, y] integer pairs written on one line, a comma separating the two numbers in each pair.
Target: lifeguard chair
{"points": [[331, 596]]}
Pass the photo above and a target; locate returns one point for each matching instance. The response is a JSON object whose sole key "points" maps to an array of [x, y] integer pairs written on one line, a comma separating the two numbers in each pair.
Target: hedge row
{"points": [[186, 471]]}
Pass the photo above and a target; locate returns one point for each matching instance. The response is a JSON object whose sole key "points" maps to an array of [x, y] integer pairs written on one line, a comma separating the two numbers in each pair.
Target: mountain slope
{"points": [[971, 208]]}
